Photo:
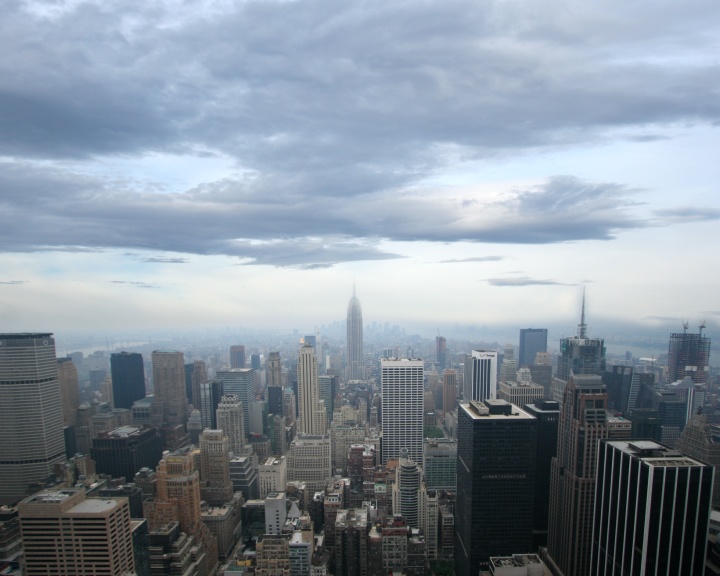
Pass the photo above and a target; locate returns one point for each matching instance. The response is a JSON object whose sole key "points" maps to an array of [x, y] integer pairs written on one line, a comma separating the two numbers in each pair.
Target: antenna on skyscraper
{"points": [[702, 326], [582, 327], [686, 325]]}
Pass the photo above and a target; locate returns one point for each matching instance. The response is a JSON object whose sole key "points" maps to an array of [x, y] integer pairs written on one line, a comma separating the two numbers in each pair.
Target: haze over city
{"points": [[245, 164]]}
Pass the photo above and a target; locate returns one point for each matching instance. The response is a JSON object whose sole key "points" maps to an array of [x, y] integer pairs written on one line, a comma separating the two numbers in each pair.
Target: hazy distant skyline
{"points": [[224, 163]]}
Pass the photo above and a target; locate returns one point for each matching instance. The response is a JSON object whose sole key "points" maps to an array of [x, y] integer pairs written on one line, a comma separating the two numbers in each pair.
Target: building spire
{"points": [[582, 327]]}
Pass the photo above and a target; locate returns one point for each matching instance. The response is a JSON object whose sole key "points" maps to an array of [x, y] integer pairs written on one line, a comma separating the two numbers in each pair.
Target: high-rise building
{"points": [[69, 391], [698, 441], [168, 369], [64, 532], [217, 488], [441, 352], [547, 413], [31, 417], [450, 390], [355, 362], [618, 380], [689, 355], [578, 355], [532, 341], [272, 475], [274, 371], [651, 511], [237, 356], [495, 483], [583, 423], [309, 460], [328, 386], [405, 489], [128, 378], [229, 416], [440, 464], [241, 383], [482, 382], [211, 392], [312, 411], [402, 383], [124, 451], [508, 366], [198, 375]]}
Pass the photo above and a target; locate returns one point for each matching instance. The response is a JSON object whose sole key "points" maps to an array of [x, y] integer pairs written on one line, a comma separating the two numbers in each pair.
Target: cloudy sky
{"points": [[245, 162]]}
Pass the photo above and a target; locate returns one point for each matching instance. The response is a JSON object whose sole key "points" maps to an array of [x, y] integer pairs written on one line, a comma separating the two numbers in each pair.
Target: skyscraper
{"points": [[402, 408], [69, 391], [441, 352], [274, 370], [532, 341], [31, 418], [128, 378], [229, 416], [237, 356], [241, 383], [355, 364], [482, 384], [449, 392], [583, 422], [312, 413], [495, 483], [66, 533], [651, 512], [689, 355], [217, 488], [328, 387], [211, 392], [168, 367], [405, 489]]}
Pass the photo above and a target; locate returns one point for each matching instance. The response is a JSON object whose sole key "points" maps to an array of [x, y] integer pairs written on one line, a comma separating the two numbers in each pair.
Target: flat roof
{"points": [[93, 506]]}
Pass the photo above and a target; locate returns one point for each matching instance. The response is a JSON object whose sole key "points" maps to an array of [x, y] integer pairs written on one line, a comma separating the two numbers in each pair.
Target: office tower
{"points": [[229, 416], [289, 406], [482, 381], [522, 391], [578, 355], [429, 517], [274, 370], [275, 427], [495, 481], [572, 483], [508, 366], [645, 424], [450, 390], [698, 441], [344, 435], [541, 373], [351, 542], [651, 510], [128, 378], [211, 392], [328, 386], [547, 413], [302, 546], [255, 362], [532, 341], [64, 532], [689, 355], [405, 489], [237, 356], [275, 512], [123, 452], [31, 418], [216, 488], [168, 369], [244, 477], [618, 380], [312, 413], [258, 412], [274, 395], [272, 475], [309, 460], [273, 555], [355, 369], [69, 391], [178, 499], [440, 464], [198, 375], [402, 408], [441, 352], [241, 383]]}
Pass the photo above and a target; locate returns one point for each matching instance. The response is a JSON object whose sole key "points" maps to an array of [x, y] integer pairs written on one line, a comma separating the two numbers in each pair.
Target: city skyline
{"points": [[167, 167]]}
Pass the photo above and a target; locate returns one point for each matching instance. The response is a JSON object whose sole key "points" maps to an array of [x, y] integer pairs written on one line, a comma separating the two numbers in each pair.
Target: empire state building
{"points": [[355, 369]]}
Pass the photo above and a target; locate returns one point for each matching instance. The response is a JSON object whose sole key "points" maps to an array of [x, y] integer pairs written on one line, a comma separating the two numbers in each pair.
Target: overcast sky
{"points": [[244, 163]]}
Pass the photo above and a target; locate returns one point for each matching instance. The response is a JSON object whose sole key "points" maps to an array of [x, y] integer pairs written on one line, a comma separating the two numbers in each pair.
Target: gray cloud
{"points": [[159, 260], [13, 282], [474, 259], [330, 130], [525, 281], [686, 214], [134, 284]]}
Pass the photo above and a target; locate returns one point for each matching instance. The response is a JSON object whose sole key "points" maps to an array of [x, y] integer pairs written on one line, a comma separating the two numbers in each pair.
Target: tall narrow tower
{"points": [[31, 418], [128, 377], [402, 408], [313, 417], [355, 369], [168, 369], [583, 422]]}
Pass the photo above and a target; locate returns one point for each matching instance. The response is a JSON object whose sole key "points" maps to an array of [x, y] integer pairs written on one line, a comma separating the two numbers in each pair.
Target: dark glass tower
{"points": [[532, 341], [689, 355], [495, 483], [128, 377]]}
